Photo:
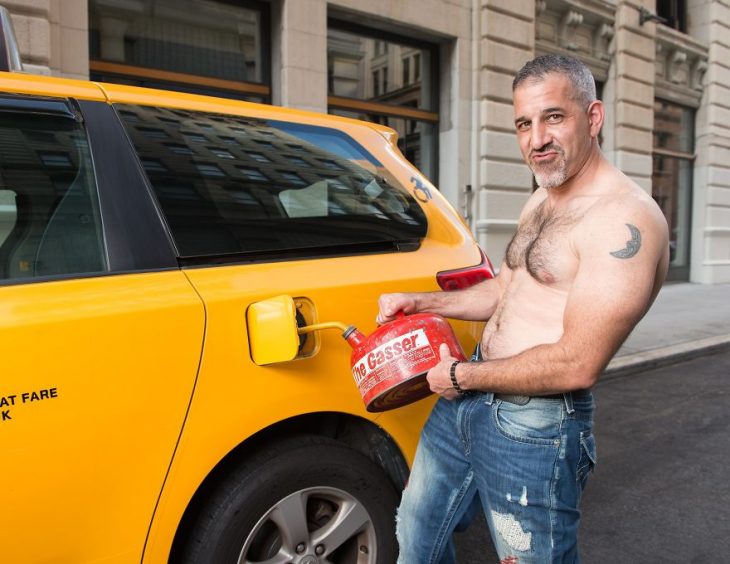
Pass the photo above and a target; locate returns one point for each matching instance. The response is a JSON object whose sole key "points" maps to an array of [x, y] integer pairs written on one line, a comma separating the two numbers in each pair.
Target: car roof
{"points": [[25, 83]]}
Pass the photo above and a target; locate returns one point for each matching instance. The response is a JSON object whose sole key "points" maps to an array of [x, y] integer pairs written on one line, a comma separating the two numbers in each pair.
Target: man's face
{"points": [[553, 130]]}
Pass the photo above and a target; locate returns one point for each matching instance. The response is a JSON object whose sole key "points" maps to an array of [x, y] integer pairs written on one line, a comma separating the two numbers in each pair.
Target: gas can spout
{"points": [[353, 337], [349, 332]]}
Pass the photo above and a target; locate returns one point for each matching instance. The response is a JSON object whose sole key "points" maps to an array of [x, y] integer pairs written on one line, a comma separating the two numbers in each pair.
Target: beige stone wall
{"points": [[300, 54], [711, 205], [31, 21], [506, 43], [69, 23], [52, 36], [629, 94], [482, 44]]}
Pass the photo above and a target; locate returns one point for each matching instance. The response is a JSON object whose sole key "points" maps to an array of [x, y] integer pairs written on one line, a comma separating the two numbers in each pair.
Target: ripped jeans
{"points": [[527, 464]]}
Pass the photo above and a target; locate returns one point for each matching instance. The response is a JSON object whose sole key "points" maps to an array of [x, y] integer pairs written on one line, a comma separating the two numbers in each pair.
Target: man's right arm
{"points": [[476, 303]]}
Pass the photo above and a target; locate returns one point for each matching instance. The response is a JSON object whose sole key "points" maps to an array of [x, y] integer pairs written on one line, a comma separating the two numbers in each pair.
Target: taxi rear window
{"points": [[50, 222], [231, 185]]}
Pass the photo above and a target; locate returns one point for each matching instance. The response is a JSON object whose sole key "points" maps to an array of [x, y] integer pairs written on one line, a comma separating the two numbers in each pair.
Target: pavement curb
{"points": [[631, 363]]}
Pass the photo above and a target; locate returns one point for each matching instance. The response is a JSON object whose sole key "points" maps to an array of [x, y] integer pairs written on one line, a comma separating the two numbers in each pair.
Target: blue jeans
{"points": [[528, 465]]}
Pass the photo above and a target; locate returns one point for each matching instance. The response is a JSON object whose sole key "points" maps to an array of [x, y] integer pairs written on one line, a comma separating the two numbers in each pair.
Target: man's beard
{"points": [[553, 174]]}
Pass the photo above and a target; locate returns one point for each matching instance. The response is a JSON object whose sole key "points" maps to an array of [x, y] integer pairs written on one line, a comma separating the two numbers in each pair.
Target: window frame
{"points": [[374, 110], [679, 272], [674, 12], [113, 72], [390, 110]]}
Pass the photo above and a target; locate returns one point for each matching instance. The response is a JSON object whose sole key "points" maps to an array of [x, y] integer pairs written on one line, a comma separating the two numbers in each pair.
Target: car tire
{"points": [[304, 500]]}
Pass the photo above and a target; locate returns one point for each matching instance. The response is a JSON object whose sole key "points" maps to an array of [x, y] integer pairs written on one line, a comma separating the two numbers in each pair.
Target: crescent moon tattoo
{"points": [[632, 245]]}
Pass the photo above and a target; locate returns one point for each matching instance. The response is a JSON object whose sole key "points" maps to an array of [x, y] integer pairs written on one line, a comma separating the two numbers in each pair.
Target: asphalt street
{"points": [[660, 493]]}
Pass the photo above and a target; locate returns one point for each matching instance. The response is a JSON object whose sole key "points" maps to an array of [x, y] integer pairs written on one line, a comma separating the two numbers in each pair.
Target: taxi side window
{"points": [[232, 186], [49, 214]]}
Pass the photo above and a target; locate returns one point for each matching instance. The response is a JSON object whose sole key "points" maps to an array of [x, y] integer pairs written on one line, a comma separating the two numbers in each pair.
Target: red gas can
{"points": [[390, 365]]}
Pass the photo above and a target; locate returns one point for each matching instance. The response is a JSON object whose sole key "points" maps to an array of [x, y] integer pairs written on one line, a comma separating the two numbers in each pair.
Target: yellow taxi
{"points": [[137, 230]]}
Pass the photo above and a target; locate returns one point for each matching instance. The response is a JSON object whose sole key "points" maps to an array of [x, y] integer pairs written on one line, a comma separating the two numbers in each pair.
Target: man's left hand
{"points": [[438, 377]]}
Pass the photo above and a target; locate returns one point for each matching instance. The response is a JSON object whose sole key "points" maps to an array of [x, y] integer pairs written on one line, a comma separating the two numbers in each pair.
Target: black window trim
{"points": [[311, 253], [135, 231], [39, 105]]}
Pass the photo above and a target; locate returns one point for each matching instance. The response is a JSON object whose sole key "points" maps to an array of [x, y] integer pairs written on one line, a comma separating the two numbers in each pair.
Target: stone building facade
{"points": [[439, 72]]}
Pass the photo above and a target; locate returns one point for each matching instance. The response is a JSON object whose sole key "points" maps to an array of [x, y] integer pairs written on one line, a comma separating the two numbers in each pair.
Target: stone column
{"points": [[53, 36], [69, 21], [710, 257], [507, 42], [33, 32], [299, 63], [629, 93]]}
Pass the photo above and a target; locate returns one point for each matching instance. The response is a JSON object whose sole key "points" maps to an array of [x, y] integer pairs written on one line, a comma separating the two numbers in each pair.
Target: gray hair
{"points": [[580, 76]]}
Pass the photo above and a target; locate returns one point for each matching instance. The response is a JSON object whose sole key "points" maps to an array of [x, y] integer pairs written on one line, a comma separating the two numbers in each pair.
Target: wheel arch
{"points": [[358, 433]]}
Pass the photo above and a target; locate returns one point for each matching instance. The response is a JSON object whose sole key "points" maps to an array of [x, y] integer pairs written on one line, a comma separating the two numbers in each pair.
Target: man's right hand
{"points": [[390, 304]]}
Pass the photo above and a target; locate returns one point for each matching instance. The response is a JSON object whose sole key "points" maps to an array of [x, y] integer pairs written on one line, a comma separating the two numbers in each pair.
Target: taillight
{"points": [[464, 277]]}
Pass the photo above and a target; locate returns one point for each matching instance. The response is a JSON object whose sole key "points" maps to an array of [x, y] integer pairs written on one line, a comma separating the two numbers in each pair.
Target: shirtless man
{"points": [[514, 430]]}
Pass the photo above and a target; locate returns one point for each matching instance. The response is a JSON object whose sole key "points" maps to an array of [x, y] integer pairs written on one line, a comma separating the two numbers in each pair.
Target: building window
{"points": [[216, 47], [376, 83], [674, 12], [673, 158], [390, 80]]}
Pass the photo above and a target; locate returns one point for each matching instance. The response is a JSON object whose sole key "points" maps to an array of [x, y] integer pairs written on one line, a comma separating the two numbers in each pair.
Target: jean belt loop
{"points": [[568, 398], [489, 398]]}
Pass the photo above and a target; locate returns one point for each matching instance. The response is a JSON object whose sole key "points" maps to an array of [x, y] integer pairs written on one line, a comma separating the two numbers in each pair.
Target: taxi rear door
{"points": [[100, 337]]}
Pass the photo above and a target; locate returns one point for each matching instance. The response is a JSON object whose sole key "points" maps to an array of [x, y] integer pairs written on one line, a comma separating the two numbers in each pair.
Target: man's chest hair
{"points": [[541, 244]]}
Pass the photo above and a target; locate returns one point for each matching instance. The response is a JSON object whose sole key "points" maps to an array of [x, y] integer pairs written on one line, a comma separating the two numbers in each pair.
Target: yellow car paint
{"points": [[103, 464]]}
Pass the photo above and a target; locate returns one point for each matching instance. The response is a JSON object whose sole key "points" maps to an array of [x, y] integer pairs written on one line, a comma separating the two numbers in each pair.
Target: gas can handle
{"points": [[400, 314]]}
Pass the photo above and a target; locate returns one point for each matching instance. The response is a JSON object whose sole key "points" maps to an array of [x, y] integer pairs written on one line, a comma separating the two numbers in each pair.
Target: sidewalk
{"points": [[686, 320]]}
